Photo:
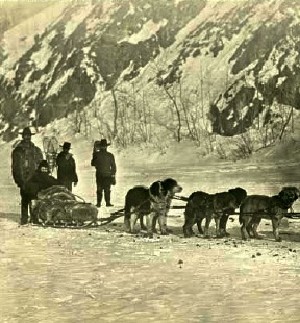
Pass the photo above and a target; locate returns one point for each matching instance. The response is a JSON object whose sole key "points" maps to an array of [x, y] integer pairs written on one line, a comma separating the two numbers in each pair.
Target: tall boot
{"points": [[24, 214], [107, 198], [99, 198]]}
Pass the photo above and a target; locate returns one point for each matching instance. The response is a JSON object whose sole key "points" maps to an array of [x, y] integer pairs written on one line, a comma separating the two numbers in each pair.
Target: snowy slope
{"points": [[181, 70]]}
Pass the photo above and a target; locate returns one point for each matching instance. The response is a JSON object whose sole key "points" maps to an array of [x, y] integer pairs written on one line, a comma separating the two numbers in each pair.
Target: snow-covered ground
{"points": [[105, 275]]}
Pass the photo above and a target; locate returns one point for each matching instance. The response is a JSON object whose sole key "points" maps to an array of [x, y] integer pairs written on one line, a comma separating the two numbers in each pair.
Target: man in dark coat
{"points": [[106, 169], [40, 180], [66, 167], [25, 160]]}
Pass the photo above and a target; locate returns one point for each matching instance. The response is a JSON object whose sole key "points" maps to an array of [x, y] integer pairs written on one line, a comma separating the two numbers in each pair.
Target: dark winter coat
{"points": [[38, 181], [26, 158], [104, 163], [66, 168]]}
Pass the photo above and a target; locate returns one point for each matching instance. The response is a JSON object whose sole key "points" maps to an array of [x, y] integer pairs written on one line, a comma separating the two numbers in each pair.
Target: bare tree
{"points": [[116, 113]]}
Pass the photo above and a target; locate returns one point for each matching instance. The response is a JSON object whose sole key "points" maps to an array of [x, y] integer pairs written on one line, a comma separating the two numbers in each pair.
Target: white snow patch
{"points": [[14, 43], [32, 87], [131, 10], [41, 57], [280, 80], [290, 60], [51, 36], [126, 71], [265, 10], [149, 29], [77, 18], [10, 75], [59, 83], [177, 2], [70, 54], [91, 24], [208, 13], [270, 68], [86, 50], [230, 115], [89, 67]]}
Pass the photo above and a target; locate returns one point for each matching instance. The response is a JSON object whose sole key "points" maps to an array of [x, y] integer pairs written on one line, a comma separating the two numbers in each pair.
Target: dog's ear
{"points": [[169, 183], [282, 193], [239, 194], [155, 188]]}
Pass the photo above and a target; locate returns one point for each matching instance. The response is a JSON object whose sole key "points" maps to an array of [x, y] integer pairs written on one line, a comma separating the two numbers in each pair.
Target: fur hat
{"points": [[26, 131], [44, 163], [66, 145]]}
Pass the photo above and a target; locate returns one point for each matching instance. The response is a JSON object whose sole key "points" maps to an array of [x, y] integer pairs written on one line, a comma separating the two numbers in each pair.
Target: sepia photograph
{"points": [[150, 161]]}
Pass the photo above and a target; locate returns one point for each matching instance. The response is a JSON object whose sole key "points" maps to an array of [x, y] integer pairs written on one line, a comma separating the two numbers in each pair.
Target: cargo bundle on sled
{"points": [[57, 206]]}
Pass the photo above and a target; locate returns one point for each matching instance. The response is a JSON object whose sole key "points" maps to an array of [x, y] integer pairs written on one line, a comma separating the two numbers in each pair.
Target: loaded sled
{"points": [[57, 206]]}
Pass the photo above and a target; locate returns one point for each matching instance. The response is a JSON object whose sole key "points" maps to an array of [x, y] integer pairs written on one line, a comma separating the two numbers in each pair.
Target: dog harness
{"points": [[159, 202]]}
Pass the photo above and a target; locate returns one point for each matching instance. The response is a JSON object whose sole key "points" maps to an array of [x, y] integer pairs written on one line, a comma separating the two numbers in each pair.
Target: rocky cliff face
{"points": [[217, 66]]}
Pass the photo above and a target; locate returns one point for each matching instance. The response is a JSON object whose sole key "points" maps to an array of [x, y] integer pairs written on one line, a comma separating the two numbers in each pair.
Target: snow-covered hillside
{"points": [[136, 72]]}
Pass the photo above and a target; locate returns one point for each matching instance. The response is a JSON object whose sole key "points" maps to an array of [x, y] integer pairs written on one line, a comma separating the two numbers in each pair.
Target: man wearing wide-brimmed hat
{"points": [[66, 167], [26, 158], [105, 165]]}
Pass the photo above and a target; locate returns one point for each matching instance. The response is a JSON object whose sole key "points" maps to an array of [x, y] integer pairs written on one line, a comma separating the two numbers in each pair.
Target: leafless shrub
{"points": [[221, 151], [244, 146]]}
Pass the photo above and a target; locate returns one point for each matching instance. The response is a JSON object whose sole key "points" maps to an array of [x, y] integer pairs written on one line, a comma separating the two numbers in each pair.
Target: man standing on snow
{"points": [[106, 169], [26, 158], [66, 167]]}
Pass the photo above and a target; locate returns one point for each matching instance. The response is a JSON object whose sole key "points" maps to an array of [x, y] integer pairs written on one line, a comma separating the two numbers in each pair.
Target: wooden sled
{"points": [[57, 206]]}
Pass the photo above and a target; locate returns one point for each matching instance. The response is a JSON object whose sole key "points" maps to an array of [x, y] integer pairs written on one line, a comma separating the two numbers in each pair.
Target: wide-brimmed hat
{"points": [[26, 131], [103, 143], [43, 163], [66, 145]]}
